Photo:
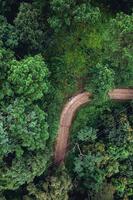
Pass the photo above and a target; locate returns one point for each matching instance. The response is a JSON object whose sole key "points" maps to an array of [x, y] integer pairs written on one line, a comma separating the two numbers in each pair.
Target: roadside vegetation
{"points": [[50, 51]]}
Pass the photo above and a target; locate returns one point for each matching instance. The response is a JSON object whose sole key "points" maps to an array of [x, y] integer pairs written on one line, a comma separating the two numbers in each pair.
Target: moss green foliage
{"points": [[107, 193], [104, 153], [49, 51], [55, 187]]}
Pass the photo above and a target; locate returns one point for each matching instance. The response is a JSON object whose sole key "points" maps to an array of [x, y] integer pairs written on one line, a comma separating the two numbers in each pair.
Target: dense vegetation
{"points": [[50, 50]]}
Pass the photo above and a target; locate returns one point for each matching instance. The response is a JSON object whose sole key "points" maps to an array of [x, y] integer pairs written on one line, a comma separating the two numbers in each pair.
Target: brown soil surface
{"points": [[69, 112]]}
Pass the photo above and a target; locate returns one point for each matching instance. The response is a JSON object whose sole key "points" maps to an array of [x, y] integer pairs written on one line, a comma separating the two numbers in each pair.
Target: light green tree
{"points": [[29, 77]]}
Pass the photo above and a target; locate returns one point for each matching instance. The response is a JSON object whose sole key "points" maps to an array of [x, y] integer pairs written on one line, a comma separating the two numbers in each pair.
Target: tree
{"points": [[118, 49], [104, 154], [107, 193], [30, 28], [114, 67], [66, 14], [23, 124], [24, 132], [124, 182], [23, 169], [29, 77], [102, 81], [5, 57], [8, 34], [53, 187]]}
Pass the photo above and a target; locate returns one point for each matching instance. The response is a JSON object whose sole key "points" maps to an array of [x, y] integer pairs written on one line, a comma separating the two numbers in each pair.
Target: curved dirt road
{"points": [[69, 112]]}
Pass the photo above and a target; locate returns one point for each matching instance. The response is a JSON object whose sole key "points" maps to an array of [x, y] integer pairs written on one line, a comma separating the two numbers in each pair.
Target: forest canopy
{"points": [[49, 52]]}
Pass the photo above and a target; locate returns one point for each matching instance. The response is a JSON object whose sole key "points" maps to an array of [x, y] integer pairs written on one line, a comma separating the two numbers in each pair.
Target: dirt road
{"points": [[69, 111]]}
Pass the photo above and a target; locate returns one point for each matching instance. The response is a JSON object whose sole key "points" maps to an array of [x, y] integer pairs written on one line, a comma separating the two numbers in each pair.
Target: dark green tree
{"points": [[66, 14], [55, 187], [31, 28], [8, 34]]}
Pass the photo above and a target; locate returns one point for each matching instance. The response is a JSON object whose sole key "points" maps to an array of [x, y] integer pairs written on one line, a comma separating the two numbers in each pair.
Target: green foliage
{"points": [[55, 187], [73, 57], [118, 48], [104, 154], [87, 134], [102, 81], [84, 46], [5, 57], [68, 13], [29, 77], [23, 169], [124, 183], [23, 126], [8, 34], [24, 133], [106, 193], [89, 163], [26, 125], [30, 28], [114, 67]]}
